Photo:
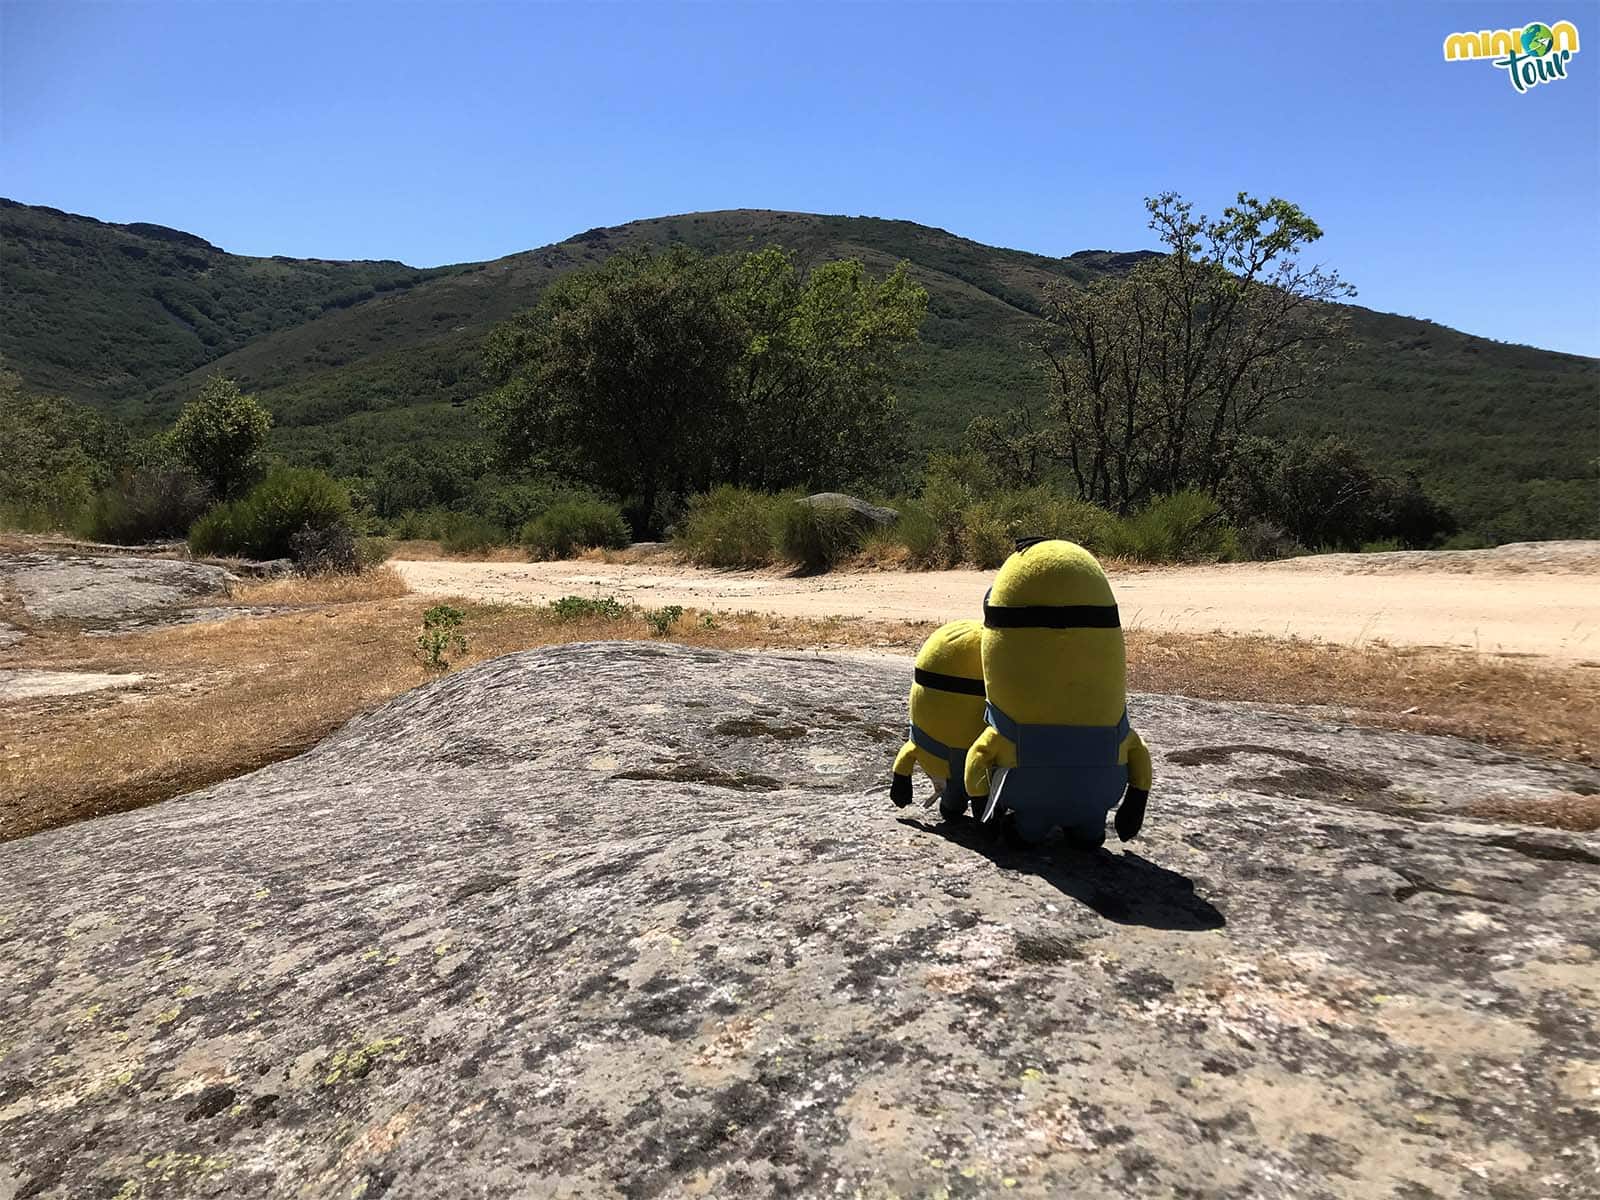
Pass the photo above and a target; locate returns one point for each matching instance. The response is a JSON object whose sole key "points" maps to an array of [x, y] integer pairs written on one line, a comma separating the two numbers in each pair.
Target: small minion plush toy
{"points": [[1058, 749], [946, 714]]}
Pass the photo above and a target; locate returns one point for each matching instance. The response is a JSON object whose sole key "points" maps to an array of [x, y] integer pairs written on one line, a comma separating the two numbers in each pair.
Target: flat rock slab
{"points": [[638, 920], [108, 591], [36, 685], [10, 635]]}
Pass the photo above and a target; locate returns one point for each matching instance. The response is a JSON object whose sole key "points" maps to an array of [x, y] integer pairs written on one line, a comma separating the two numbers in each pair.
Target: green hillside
{"points": [[357, 359], [104, 312], [336, 384]]}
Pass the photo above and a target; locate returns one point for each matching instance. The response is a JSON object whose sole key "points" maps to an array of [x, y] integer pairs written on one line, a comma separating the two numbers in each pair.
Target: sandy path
{"points": [[1521, 613]]}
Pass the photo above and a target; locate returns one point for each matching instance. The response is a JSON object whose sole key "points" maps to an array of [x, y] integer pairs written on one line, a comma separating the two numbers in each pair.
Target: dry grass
{"points": [[1560, 810], [380, 583], [422, 550], [226, 697], [1554, 711], [637, 553]]}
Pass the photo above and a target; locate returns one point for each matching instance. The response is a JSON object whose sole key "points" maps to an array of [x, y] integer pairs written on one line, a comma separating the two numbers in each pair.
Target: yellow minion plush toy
{"points": [[946, 714], [1058, 749]]}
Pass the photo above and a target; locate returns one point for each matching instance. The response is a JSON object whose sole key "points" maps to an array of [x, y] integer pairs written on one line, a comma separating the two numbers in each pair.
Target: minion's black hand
{"points": [[900, 791], [1130, 814]]}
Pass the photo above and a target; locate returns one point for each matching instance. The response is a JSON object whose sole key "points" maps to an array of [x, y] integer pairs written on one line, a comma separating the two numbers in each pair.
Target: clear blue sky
{"points": [[444, 132]]}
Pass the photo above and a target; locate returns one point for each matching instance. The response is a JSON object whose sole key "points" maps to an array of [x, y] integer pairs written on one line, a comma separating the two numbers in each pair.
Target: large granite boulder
{"points": [[867, 516], [637, 920], [107, 591]]}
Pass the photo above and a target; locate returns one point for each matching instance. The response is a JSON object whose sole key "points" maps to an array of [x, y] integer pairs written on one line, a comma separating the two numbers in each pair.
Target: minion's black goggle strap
{"points": [[1051, 616], [959, 684]]}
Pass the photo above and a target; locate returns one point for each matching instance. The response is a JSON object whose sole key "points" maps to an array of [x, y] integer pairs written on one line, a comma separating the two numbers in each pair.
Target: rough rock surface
{"points": [[637, 920], [869, 515], [106, 591]]}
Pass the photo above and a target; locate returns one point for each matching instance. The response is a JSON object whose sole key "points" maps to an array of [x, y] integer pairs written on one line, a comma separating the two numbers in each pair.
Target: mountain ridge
{"points": [[358, 359]]}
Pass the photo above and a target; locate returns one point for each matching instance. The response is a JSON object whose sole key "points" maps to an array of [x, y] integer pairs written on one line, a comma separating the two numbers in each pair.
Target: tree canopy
{"points": [[658, 375], [1154, 376], [221, 434]]}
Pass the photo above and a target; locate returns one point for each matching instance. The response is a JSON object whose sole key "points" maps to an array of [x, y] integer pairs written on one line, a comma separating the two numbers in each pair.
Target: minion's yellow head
{"points": [[1052, 644], [947, 688]]}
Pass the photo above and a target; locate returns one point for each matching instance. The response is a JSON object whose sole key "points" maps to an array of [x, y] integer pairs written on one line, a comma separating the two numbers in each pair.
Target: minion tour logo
{"points": [[1532, 55]]}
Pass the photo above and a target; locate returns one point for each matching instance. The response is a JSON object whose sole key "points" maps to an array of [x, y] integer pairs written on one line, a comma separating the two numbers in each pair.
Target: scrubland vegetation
{"points": [[687, 396]]}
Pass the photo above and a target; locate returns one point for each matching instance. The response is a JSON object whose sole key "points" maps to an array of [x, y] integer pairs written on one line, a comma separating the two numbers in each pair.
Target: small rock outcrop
{"points": [[633, 920], [107, 591], [868, 516]]}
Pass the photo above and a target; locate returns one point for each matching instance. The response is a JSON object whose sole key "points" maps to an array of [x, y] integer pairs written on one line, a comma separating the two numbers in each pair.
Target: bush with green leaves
{"points": [[1186, 526], [221, 434], [731, 527], [262, 523], [441, 635], [574, 524], [661, 620], [159, 498], [464, 533], [952, 485], [816, 537], [55, 454], [578, 608], [915, 530]]}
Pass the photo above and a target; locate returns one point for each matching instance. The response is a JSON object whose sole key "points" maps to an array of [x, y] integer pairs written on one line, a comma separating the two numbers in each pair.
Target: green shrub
{"points": [[1183, 527], [816, 537], [1382, 546], [465, 533], [950, 488], [731, 527], [916, 531], [570, 525], [441, 634], [145, 505], [1264, 541], [576, 608], [983, 538], [662, 620], [1042, 512], [262, 523], [221, 433]]}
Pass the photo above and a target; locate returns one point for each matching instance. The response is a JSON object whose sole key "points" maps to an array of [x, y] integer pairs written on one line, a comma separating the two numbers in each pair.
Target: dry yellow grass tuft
{"points": [[1517, 703], [226, 697], [1561, 810], [427, 551], [380, 583]]}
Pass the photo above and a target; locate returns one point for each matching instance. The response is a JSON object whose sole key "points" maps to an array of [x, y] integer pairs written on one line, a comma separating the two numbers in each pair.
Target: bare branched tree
{"points": [[1156, 375]]}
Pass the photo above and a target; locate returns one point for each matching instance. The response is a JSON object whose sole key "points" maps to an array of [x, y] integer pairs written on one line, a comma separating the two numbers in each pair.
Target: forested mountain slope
{"points": [[357, 359]]}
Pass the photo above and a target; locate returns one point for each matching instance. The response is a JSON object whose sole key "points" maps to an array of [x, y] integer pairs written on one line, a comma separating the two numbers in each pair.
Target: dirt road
{"points": [[1537, 602]]}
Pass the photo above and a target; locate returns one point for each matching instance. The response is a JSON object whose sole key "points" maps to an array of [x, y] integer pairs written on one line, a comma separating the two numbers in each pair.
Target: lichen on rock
{"points": [[577, 922]]}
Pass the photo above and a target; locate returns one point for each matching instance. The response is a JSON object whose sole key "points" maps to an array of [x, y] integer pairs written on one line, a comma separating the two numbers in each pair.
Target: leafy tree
{"points": [[221, 434], [619, 378], [657, 376], [1326, 495], [813, 398], [1155, 375], [54, 454]]}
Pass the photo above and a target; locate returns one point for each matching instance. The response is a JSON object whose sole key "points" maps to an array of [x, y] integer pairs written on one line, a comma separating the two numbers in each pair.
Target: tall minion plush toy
{"points": [[946, 714], [1058, 749]]}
